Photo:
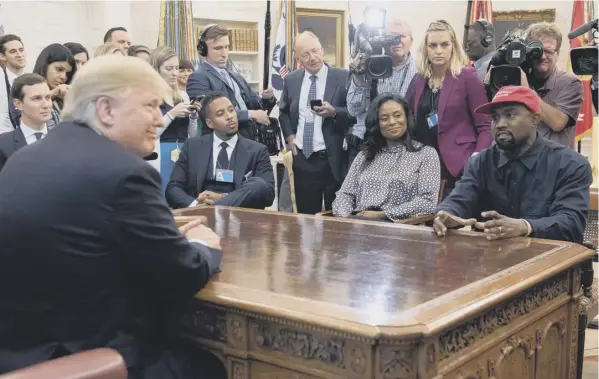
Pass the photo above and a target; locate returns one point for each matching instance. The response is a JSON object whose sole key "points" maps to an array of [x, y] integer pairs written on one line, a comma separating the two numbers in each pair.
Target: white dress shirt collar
{"points": [[29, 133], [232, 142], [321, 74]]}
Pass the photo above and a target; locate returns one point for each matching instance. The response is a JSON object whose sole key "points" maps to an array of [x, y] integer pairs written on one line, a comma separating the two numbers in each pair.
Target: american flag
{"points": [[282, 52]]}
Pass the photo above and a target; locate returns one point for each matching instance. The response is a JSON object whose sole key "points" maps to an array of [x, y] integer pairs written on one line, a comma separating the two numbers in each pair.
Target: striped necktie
{"points": [[309, 123], [38, 135]]}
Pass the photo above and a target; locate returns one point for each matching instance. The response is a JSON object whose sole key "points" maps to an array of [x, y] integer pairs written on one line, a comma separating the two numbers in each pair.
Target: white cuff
{"points": [[193, 204]]}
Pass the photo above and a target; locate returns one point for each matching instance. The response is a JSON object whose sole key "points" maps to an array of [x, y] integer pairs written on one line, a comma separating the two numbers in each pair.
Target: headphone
{"points": [[488, 37], [202, 47]]}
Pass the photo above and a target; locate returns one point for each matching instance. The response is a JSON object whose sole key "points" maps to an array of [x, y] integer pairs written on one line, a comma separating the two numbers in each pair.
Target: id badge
{"points": [[224, 176], [432, 120], [175, 155]]}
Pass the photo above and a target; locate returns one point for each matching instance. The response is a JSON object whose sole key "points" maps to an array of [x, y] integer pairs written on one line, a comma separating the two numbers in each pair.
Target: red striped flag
{"points": [[582, 11]]}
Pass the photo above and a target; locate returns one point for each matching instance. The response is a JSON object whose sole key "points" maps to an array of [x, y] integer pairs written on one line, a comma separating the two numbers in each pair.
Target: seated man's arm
{"points": [[570, 208], [463, 200], [345, 199], [258, 189], [427, 194], [143, 230], [176, 194], [564, 112]]}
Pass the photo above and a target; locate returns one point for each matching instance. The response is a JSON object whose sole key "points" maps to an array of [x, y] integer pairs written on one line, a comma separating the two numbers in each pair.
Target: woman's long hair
{"points": [[458, 58], [51, 54], [108, 48], [374, 141], [160, 55]]}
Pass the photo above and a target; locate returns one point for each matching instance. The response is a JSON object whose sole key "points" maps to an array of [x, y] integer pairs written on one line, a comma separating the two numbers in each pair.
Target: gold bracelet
{"points": [[529, 232]]}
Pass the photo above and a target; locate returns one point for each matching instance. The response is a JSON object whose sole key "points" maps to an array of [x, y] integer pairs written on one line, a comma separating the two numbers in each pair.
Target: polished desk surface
{"points": [[369, 277]]}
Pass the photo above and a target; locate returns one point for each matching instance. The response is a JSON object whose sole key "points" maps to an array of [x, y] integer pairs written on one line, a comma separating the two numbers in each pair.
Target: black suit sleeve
{"points": [[2, 160], [198, 85], [284, 108], [145, 232], [176, 195]]}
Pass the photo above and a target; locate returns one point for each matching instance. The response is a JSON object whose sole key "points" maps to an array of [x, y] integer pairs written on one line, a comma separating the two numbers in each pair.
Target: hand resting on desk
{"points": [[196, 231], [500, 227], [445, 220]]}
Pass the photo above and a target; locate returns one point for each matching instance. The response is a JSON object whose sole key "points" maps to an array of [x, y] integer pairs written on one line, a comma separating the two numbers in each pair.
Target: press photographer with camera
{"points": [[560, 92], [443, 95], [403, 70], [480, 46]]}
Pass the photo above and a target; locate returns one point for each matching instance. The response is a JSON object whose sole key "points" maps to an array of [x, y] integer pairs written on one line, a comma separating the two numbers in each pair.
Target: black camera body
{"points": [[511, 56], [374, 47]]}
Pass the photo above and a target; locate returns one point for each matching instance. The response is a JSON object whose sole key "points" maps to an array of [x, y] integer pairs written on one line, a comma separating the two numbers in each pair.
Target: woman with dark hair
{"points": [[394, 176], [139, 51], [79, 53], [185, 69], [57, 65]]}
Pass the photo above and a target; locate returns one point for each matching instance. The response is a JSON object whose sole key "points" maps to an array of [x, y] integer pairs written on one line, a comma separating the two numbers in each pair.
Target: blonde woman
{"points": [[108, 48], [180, 117], [443, 95]]}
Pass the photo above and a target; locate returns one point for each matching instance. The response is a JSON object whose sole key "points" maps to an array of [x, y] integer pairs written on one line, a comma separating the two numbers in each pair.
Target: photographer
{"points": [[480, 46], [358, 94], [561, 92]]}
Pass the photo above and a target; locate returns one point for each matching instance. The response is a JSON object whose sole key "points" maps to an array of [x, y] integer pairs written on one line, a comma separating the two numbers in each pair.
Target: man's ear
{"points": [[536, 119], [18, 104], [209, 123], [105, 111]]}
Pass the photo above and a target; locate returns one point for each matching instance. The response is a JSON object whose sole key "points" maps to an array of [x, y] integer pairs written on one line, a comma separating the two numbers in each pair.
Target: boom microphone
{"points": [[582, 29]]}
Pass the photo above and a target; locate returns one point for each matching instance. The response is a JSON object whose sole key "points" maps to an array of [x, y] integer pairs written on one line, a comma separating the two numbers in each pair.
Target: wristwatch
{"points": [[529, 232]]}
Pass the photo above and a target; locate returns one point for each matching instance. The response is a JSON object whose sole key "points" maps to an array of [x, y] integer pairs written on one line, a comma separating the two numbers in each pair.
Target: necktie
{"points": [[38, 135], [222, 161], [309, 124], [229, 80]]}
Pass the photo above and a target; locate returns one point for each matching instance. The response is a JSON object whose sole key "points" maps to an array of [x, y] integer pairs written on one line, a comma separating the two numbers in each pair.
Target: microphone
{"points": [[152, 156], [582, 29]]}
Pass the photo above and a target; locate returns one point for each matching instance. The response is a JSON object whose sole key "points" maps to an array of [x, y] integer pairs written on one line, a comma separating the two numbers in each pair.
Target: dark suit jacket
{"points": [[333, 130], [207, 79], [194, 161], [9, 143], [461, 132], [89, 244]]}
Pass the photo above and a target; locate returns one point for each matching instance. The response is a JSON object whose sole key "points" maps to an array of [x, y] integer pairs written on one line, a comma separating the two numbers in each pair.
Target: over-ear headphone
{"points": [[488, 37], [202, 47]]}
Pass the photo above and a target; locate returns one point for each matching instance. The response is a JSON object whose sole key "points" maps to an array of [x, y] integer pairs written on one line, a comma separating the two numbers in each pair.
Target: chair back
{"points": [[92, 364]]}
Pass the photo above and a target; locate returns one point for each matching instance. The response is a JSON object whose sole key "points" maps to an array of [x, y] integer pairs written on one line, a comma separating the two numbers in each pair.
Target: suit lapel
{"points": [[241, 159], [330, 87], [295, 90], [210, 69], [446, 91], [19, 139], [417, 94], [205, 156]]}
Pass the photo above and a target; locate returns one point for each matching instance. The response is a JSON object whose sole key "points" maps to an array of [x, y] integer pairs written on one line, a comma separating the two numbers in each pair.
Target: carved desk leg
{"points": [[584, 303]]}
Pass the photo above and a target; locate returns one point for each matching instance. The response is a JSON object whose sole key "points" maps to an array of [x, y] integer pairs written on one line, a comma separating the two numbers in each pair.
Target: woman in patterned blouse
{"points": [[393, 177]]}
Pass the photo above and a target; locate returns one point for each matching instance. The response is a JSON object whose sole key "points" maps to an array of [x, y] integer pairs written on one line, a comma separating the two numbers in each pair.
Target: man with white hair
{"points": [[89, 243]]}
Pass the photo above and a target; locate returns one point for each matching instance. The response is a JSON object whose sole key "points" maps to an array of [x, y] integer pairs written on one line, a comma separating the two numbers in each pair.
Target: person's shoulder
{"points": [[427, 151], [8, 136], [295, 74], [468, 73], [565, 154], [251, 145], [338, 71], [566, 76]]}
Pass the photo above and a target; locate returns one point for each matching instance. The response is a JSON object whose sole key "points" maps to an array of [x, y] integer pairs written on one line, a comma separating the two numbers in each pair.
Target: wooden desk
{"points": [[306, 297]]}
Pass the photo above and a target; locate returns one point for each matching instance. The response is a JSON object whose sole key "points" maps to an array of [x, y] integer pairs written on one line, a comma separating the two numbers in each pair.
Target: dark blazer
{"points": [[89, 244], [195, 158], [333, 129], [461, 132], [9, 143], [207, 79]]}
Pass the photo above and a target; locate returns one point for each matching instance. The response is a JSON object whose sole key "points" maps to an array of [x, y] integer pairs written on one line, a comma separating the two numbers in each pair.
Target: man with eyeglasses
{"points": [[404, 69], [561, 92]]}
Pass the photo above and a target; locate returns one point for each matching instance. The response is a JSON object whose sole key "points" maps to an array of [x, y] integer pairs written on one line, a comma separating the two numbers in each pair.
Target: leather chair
{"points": [[93, 364]]}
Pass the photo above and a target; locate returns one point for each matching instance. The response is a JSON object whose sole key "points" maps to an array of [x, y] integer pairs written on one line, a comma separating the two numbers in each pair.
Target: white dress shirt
{"points": [[5, 124], [29, 133], [216, 150], [305, 110]]}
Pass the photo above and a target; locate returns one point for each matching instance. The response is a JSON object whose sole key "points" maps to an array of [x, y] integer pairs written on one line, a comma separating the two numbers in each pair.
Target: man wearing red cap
{"points": [[524, 185]]}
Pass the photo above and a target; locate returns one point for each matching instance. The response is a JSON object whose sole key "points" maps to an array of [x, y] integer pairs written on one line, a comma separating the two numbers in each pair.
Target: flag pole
{"points": [[265, 78], [468, 15]]}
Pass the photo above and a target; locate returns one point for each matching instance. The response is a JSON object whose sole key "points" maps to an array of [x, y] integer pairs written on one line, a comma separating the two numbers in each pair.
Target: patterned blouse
{"points": [[398, 182]]}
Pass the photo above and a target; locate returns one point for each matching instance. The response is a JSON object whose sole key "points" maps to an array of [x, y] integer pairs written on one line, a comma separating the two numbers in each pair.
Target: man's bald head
{"points": [[309, 52], [400, 28]]}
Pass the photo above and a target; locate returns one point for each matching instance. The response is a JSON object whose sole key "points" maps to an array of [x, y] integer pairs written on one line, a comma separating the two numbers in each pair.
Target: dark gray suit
{"points": [[254, 184], [309, 197], [9, 143], [207, 79], [89, 246]]}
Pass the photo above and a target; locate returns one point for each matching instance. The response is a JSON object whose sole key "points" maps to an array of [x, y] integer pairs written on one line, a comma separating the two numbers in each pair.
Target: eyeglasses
{"points": [[550, 53]]}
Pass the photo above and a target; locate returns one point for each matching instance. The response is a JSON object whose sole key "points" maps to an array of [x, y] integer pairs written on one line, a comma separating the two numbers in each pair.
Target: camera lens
{"points": [[376, 68]]}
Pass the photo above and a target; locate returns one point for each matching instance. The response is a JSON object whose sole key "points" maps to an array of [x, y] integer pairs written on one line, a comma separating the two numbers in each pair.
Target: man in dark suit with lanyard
{"points": [[213, 75], [315, 134]]}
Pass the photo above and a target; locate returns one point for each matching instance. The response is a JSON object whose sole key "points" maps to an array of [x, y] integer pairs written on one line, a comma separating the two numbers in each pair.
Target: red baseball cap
{"points": [[513, 94]]}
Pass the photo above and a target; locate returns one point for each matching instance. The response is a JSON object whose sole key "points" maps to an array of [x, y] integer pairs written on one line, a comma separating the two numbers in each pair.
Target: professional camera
{"points": [[373, 46], [511, 56], [584, 59]]}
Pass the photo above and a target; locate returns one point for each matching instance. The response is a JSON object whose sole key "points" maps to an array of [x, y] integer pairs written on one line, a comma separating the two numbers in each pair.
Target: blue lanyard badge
{"points": [[432, 120], [224, 176]]}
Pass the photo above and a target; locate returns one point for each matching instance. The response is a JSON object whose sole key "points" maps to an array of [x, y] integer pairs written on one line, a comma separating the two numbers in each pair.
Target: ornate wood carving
{"points": [[511, 345], [431, 358], [206, 322], [397, 364], [238, 370], [357, 360], [236, 330], [466, 334], [574, 315], [299, 344]]}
